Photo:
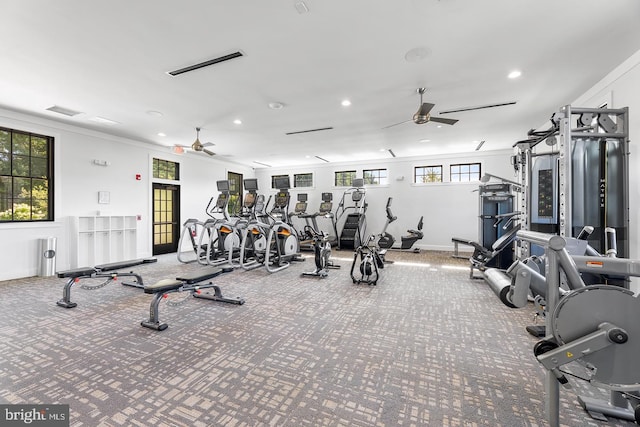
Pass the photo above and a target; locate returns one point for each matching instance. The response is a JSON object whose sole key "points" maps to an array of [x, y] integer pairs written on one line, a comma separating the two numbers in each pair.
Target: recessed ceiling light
{"points": [[237, 121], [301, 7], [514, 74], [439, 126], [162, 134], [276, 105], [154, 113], [417, 54], [345, 102], [382, 149], [307, 157], [425, 140]]}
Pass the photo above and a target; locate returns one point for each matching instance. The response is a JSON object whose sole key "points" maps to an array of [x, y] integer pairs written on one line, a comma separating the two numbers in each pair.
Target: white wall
{"points": [[449, 209], [78, 180]]}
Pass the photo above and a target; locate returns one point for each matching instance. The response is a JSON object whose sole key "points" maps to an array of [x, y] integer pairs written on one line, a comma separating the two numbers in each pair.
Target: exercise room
{"points": [[320, 213]]}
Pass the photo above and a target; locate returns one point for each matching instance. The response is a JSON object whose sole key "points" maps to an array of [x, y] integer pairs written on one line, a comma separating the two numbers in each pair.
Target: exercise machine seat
{"points": [[76, 272], [125, 264], [162, 286], [202, 275]]}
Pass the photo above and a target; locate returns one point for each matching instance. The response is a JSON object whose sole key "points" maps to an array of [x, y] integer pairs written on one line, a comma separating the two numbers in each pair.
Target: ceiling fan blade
{"points": [[443, 120], [208, 144], [211, 153], [424, 109], [480, 107], [395, 124]]}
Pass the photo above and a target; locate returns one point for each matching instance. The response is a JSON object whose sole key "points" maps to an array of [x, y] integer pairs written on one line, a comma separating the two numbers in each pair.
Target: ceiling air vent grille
{"points": [[308, 130], [64, 111], [213, 61]]}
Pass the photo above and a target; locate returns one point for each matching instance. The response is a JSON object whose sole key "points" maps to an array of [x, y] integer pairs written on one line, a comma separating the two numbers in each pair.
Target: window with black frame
{"points": [[465, 172], [26, 176], [276, 179], [166, 169], [303, 180], [375, 176], [425, 174], [344, 178]]}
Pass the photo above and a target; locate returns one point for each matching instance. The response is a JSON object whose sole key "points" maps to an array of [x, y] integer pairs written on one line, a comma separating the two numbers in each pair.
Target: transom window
{"points": [[375, 176], [303, 180], [165, 169], [465, 172], [344, 178], [424, 174], [276, 179], [26, 176]]}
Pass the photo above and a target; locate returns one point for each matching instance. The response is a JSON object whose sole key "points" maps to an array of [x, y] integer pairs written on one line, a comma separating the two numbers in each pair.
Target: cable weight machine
{"points": [[580, 179]]}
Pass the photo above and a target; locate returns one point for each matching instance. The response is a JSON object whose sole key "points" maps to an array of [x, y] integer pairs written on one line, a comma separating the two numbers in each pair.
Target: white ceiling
{"points": [[110, 59]]}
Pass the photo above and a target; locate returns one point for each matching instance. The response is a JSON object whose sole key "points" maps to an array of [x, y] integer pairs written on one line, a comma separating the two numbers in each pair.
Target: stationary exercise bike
{"points": [[322, 252], [386, 240]]}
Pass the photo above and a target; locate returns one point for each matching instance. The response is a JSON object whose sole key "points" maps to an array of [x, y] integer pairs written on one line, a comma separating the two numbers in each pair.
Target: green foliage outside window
{"points": [[165, 169], [425, 174], [25, 176], [344, 178], [375, 176]]}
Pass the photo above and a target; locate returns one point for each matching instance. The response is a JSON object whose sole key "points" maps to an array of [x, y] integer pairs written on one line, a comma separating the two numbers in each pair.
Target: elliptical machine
{"points": [[221, 231], [370, 261], [322, 252], [386, 240]]}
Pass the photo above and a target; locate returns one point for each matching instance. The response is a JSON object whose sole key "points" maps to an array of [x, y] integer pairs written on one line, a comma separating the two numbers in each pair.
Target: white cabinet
{"points": [[102, 239]]}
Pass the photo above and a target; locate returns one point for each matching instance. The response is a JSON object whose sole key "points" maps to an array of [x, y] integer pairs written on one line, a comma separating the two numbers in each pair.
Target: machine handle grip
{"points": [[585, 232], [612, 245]]}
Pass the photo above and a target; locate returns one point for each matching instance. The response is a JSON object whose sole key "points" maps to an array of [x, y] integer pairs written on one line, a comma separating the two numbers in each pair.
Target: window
{"points": [[277, 180], [26, 176], [303, 180], [375, 176], [423, 174], [344, 178], [164, 169], [235, 193], [465, 172]]}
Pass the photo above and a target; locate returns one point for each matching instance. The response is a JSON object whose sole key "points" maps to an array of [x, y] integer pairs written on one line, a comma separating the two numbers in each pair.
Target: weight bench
{"points": [[108, 271], [185, 283], [458, 241]]}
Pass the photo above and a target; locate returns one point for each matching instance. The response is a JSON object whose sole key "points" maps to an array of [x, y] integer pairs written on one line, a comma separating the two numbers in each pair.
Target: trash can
{"points": [[47, 254]]}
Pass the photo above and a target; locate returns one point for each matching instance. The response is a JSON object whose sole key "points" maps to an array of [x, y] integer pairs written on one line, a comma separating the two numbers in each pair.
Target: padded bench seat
{"points": [[125, 264], [76, 272], [164, 285], [202, 275]]}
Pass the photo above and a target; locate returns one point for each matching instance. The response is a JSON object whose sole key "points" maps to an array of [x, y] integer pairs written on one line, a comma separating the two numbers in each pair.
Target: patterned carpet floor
{"points": [[427, 346]]}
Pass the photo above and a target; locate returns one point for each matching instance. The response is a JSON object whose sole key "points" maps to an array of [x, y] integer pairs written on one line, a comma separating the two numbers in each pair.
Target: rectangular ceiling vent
{"points": [[64, 111], [479, 107], [308, 130], [213, 61]]}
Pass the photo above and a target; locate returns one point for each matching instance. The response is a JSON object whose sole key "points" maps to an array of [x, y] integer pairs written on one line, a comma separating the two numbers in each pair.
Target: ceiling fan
{"points": [[196, 146], [423, 115]]}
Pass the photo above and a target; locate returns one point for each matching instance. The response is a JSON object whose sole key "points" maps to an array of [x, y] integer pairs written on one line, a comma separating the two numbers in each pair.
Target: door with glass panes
{"points": [[166, 218]]}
